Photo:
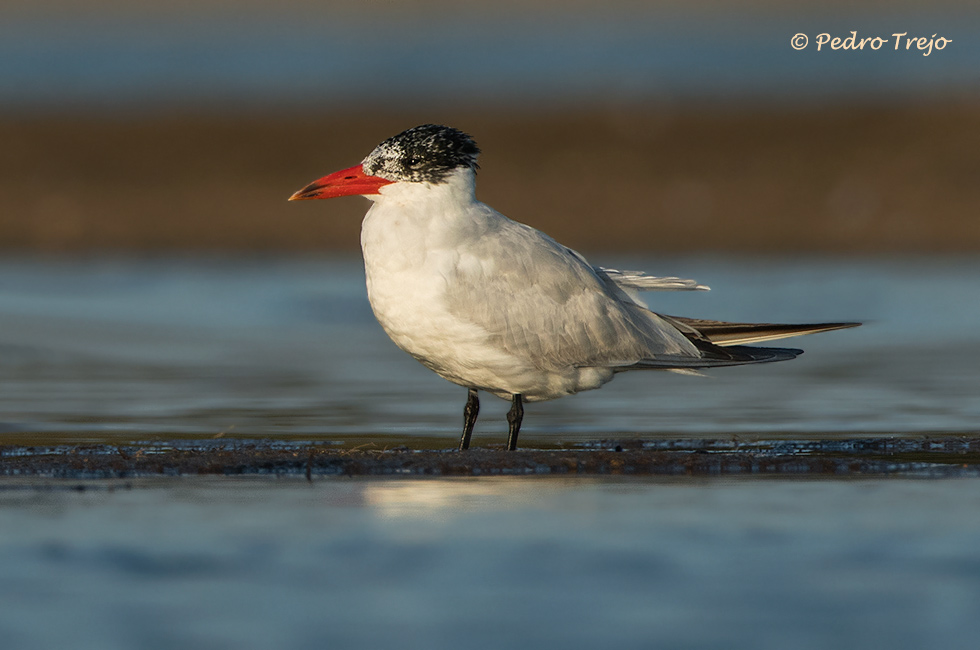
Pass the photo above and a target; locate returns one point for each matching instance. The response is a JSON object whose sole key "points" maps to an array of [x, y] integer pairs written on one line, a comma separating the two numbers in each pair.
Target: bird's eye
{"points": [[412, 162]]}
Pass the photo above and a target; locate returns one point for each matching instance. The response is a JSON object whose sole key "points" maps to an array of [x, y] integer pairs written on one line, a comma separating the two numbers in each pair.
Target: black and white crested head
{"points": [[423, 154]]}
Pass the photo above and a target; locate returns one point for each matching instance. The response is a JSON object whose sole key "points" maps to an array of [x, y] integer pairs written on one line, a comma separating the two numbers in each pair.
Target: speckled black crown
{"points": [[423, 154]]}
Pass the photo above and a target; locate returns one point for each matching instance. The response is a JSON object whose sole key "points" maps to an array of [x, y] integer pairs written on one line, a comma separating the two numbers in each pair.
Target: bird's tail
{"points": [[722, 344], [728, 334]]}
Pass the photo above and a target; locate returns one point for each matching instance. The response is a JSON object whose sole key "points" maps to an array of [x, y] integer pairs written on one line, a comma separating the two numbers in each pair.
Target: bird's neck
{"points": [[410, 222]]}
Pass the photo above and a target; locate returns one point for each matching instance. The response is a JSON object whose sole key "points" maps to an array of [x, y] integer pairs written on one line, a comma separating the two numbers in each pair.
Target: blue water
{"points": [[96, 348], [104, 348], [376, 59], [483, 563]]}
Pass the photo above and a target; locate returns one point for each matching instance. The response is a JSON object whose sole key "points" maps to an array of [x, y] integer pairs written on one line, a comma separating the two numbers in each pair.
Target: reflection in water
{"points": [[440, 499], [289, 347]]}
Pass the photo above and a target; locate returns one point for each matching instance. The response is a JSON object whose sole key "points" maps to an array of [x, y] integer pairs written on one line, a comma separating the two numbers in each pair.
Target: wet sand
{"points": [[933, 457], [875, 179]]}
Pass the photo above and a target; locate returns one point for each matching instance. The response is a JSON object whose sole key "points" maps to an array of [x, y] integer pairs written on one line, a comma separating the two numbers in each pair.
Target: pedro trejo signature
{"points": [[899, 41]]}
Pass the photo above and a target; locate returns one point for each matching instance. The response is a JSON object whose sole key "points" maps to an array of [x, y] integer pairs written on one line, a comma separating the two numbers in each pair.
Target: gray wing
{"points": [[542, 302]]}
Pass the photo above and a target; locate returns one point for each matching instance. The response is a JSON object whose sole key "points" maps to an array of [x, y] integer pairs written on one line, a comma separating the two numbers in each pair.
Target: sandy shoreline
{"points": [[859, 180]]}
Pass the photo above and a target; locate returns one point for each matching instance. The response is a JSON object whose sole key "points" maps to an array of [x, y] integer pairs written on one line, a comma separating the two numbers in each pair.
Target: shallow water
{"points": [[125, 349], [130, 348], [490, 563]]}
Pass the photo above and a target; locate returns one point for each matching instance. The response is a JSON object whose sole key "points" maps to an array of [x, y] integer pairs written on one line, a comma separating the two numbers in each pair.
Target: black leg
{"points": [[470, 411], [514, 417]]}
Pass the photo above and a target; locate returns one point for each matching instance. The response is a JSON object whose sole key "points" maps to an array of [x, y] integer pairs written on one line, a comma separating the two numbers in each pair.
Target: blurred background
{"points": [[154, 278], [647, 126]]}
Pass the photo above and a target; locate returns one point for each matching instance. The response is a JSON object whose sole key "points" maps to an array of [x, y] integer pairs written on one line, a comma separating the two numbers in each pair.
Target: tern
{"points": [[494, 305]]}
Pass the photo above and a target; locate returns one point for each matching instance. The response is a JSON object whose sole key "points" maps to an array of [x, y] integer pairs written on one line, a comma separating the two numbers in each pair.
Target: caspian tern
{"points": [[494, 305]]}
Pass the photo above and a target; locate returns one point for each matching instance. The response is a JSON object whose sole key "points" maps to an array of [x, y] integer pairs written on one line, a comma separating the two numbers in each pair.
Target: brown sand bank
{"points": [[913, 456], [872, 179]]}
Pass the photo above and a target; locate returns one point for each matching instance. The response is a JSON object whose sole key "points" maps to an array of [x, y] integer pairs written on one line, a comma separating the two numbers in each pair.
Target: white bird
{"points": [[494, 305]]}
